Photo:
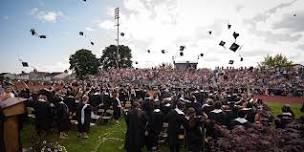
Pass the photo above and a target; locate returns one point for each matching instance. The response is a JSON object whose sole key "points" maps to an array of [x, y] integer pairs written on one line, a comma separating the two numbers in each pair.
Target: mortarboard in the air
{"points": [[229, 26], [42, 36], [181, 53], [92, 43], [163, 51], [33, 32], [231, 61], [148, 51], [181, 48], [234, 47], [222, 43], [122, 34], [241, 59], [136, 62], [210, 32], [202, 54], [81, 33], [236, 35], [25, 64]]}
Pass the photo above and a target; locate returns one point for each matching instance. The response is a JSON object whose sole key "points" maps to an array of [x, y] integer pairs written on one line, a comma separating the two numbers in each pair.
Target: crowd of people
{"points": [[195, 108]]}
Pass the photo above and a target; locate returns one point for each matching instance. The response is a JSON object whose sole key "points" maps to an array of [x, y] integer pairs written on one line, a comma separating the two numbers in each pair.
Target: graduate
{"points": [[116, 106], [83, 115], [217, 114], [154, 128], [136, 120], [194, 131], [43, 113], [175, 118], [285, 117], [63, 121]]}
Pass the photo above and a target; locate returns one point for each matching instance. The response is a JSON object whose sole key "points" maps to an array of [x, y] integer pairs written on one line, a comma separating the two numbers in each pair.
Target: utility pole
{"points": [[117, 39]]}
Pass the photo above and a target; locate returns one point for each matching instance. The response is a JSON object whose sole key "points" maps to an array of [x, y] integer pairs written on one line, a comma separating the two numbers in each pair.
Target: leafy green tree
{"points": [[276, 61], [84, 63], [109, 57]]}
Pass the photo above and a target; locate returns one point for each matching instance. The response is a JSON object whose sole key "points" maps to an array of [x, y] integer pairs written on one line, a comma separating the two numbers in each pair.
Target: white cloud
{"points": [[166, 24], [89, 29], [107, 24], [5, 17], [46, 16]]}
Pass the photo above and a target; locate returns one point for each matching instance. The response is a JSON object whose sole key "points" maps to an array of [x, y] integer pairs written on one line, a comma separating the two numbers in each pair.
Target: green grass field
{"points": [[108, 137], [276, 108]]}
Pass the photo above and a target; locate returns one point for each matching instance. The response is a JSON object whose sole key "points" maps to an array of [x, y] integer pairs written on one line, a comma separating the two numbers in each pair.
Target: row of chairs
{"points": [[101, 115]]}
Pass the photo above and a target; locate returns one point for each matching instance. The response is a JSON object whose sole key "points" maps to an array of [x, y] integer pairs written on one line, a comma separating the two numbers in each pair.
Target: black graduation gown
{"points": [[175, 121], [251, 116], [85, 127], [148, 107], [95, 100], [136, 124], [116, 108], [62, 116], [218, 116], [106, 100], [43, 113], [70, 102], [154, 127], [195, 135]]}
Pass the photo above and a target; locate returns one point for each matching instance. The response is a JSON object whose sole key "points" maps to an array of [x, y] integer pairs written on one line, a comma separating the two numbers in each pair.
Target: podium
{"points": [[11, 109]]}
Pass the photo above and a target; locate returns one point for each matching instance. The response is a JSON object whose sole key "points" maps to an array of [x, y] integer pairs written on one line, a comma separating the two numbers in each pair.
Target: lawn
{"points": [[108, 137], [276, 108]]}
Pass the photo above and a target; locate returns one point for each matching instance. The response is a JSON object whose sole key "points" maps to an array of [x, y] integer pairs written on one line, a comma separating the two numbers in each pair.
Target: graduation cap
{"points": [[202, 54], [136, 62], [231, 61], [222, 43], [181, 53], [241, 59], [84, 0], [236, 35], [25, 64], [122, 34], [148, 51], [210, 32], [229, 26], [92, 43], [294, 15], [234, 47], [163, 51], [81, 33], [33, 32], [181, 48], [42, 36]]}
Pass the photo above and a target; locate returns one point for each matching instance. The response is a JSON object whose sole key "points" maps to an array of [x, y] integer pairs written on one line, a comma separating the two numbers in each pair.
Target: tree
{"points": [[108, 58], [276, 61], [84, 62]]}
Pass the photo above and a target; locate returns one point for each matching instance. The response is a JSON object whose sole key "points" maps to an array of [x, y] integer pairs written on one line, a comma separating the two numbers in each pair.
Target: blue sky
{"points": [[19, 16], [265, 27]]}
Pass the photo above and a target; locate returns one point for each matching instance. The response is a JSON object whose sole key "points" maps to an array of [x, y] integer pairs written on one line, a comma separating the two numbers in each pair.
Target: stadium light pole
{"points": [[117, 39]]}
